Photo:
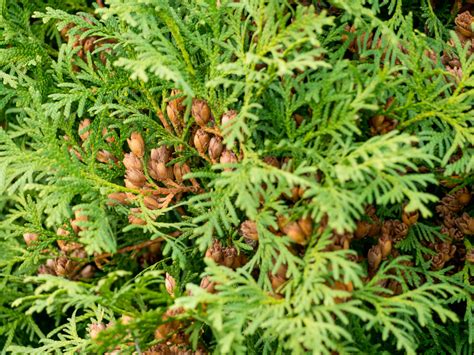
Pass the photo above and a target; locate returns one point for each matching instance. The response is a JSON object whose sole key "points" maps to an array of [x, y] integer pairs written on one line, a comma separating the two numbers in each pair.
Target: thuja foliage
{"points": [[183, 176]]}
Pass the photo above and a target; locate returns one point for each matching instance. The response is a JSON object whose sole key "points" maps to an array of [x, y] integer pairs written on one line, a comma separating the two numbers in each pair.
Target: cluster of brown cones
{"points": [[86, 44], [71, 258]]}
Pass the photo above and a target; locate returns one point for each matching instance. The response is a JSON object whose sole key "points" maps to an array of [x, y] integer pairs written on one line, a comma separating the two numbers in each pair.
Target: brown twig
{"points": [[139, 246]]}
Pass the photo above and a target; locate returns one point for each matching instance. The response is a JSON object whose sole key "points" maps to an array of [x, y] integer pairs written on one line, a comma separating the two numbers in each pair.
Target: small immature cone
{"points": [[180, 170], [374, 257], [249, 230], [178, 102], [87, 272], [159, 171], [385, 243], [295, 233], [30, 238], [208, 285], [84, 131], [151, 203], [170, 284], [362, 229], [272, 161], [64, 266], [201, 141], [410, 218], [104, 156], [215, 148], [133, 219], [161, 154], [228, 116], [306, 225], [131, 161], [463, 196], [215, 252], [298, 119], [438, 261], [95, 329], [463, 24], [201, 112], [174, 116], [79, 217], [108, 137], [465, 223], [136, 177], [136, 144], [228, 157]]}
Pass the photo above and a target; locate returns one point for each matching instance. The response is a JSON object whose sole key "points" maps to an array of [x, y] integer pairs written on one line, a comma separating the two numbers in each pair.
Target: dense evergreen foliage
{"points": [[254, 176]]}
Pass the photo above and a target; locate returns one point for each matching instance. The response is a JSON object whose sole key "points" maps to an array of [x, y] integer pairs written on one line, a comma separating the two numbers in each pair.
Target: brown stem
{"points": [[139, 246]]}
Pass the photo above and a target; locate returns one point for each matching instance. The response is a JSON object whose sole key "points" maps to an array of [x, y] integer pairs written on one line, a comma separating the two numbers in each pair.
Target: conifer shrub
{"points": [[261, 177]]}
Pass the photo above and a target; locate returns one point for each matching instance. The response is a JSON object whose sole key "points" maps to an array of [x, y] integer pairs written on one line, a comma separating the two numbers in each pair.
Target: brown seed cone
{"points": [[306, 225], [410, 218], [228, 157], [362, 229], [95, 329], [465, 223], [201, 112], [159, 171], [276, 281], [298, 119], [89, 45], [152, 203], [174, 116], [215, 252], [180, 170], [453, 203], [381, 125], [87, 272], [178, 102], [385, 242], [463, 196], [116, 198], [130, 185], [215, 148], [463, 24], [208, 285], [453, 233], [438, 261], [201, 141], [136, 144], [104, 156], [449, 220], [446, 249], [161, 154], [64, 266], [374, 257], [228, 116], [83, 130], [170, 284], [396, 229], [132, 162], [272, 161], [133, 219], [295, 233], [107, 135], [136, 177], [230, 257], [249, 230], [30, 238]]}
